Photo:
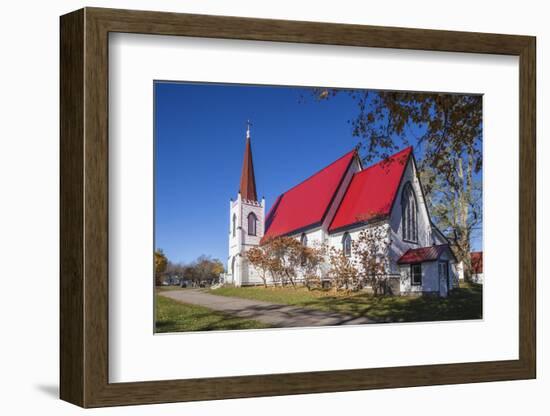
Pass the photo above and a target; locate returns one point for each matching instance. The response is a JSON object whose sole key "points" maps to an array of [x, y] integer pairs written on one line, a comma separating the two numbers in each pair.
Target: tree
{"points": [[207, 269], [279, 258], [175, 272], [446, 130], [286, 256], [284, 259], [160, 266], [371, 249], [190, 273], [217, 267], [260, 260], [342, 271], [311, 265]]}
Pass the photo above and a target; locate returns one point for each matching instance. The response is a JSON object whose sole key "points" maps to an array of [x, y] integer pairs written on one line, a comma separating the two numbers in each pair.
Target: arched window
{"points": [[346, 244], [303, 239], [234, 226], [252, 223], [409, 214]]}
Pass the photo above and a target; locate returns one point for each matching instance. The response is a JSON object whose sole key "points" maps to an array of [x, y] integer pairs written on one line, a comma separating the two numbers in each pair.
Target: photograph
{"points": [[294, 206]]}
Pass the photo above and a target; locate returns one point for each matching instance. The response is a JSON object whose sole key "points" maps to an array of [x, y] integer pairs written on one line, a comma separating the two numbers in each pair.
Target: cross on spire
{"points": [[248, 124]]}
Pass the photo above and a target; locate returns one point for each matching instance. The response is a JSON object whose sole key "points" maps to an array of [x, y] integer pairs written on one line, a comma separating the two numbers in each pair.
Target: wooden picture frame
{"points": [[84, 207]]}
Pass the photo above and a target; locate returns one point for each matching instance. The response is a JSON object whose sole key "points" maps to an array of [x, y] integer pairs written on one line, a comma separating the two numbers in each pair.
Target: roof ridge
{"points": [[383, 160], [358, 179], [319, 171], [307, 202]]}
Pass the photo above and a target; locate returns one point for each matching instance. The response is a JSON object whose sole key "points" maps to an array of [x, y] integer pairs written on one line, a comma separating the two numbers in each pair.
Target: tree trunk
{"points": [[464, 190]]}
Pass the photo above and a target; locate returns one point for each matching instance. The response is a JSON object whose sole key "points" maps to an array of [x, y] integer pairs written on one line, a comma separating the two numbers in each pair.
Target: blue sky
{"points": [[200, 136]]}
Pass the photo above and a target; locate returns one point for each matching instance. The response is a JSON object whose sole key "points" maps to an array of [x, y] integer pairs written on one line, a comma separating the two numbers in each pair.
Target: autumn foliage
{"points": [[286, 261], [160, 266]]}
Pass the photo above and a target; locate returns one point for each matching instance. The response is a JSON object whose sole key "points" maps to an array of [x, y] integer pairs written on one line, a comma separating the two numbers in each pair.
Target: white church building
{"points": [[332, 206]]}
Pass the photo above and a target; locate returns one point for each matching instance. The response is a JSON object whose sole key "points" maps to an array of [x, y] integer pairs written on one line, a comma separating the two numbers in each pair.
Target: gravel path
{"points": [[269, 313]]}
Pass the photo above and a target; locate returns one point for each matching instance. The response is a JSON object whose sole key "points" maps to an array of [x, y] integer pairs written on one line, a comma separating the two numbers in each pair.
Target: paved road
{"points": [[269, 313]]}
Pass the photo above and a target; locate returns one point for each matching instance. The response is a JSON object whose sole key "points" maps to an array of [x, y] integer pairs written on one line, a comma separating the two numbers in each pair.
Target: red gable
{"points": [[306, 204], [418, 255], [476, 259], [371, 192]]}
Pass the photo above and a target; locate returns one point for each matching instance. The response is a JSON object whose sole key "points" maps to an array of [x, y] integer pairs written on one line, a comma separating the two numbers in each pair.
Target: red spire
{"points": [[248, 181]]}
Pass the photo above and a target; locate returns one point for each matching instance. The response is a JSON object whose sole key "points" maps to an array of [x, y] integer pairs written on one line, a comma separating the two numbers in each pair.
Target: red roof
{"points": [[371, 192], [418, 255], [306, 204], [476, 259], [248, 181]]}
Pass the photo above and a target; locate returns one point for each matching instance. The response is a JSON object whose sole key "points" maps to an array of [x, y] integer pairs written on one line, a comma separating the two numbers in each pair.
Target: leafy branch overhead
{"points": [[446, 132]]}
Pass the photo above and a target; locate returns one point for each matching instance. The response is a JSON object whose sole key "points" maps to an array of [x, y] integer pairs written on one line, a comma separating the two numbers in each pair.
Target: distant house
{"points": [[333, 206], [171, 280], [476, 259]]}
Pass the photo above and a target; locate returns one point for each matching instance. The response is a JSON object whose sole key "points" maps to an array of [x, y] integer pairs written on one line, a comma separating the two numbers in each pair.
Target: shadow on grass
{"points": [[315, 308], [461, 304], [215, 323], [173, 316]]}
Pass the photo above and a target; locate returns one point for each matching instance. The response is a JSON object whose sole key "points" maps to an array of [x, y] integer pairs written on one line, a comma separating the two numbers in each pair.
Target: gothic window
{"points": [[234, 226], [303, 239], [409, 214], [252, 224], [346, 244]]}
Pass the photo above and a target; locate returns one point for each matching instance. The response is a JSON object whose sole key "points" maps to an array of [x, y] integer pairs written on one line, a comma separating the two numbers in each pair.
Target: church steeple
{"points": [[248, 181], [246, 224]]}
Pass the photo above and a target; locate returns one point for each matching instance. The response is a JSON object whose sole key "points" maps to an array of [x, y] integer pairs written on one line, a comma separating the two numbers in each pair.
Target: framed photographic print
{"points": [[255, 207]]}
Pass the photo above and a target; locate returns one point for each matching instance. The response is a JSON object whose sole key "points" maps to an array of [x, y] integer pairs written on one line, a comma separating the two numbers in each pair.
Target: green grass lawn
{"points": [[463, 303], [173, 316]]}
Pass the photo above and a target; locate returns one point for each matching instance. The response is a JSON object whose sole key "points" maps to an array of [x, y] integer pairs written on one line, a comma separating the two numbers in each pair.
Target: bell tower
{"points": [[246, 222]]}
